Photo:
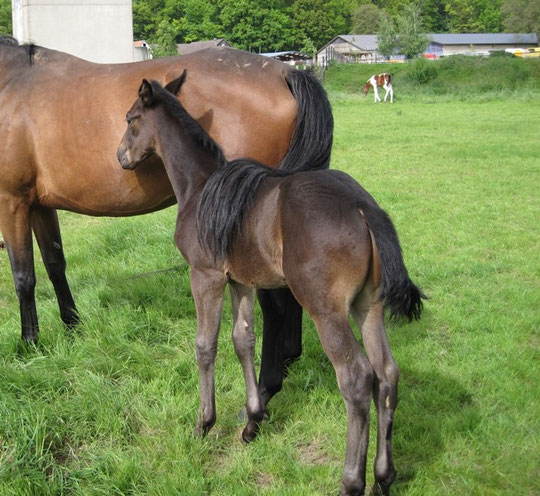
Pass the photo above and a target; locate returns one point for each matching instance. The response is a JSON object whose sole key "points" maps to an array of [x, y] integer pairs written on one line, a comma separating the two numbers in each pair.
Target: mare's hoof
{"points": [[72, 320], [30, 336]]}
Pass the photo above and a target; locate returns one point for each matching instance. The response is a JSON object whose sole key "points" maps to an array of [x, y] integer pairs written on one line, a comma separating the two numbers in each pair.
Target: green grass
{"points": [[448, 79], [110, 408]]}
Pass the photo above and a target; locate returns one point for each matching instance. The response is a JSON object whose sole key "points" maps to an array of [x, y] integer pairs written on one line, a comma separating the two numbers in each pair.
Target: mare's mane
{"points": [[28, 48]]}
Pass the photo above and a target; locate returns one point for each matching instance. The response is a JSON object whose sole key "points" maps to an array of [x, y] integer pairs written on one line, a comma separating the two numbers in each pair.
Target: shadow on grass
{"points": [[434, 410]]}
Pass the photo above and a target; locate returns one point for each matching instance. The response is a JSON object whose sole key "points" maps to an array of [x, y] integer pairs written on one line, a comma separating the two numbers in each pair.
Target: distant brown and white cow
{"points": [[380, 80]]}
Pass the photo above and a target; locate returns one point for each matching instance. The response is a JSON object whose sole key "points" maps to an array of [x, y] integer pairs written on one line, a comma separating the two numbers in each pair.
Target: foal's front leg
{"points": [[244, 344], [207, 288]]}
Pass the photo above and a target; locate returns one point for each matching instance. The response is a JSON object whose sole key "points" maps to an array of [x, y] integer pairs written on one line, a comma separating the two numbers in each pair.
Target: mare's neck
{"points": [[187, 162]]}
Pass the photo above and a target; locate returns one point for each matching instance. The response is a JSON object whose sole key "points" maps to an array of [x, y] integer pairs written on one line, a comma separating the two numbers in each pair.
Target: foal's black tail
{"points": [[401, 296], [311, 143]]}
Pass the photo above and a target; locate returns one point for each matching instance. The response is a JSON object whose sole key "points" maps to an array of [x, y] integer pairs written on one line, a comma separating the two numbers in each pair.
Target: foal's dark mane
{"points": [[231, 189], [28, 48], [176, 110]]}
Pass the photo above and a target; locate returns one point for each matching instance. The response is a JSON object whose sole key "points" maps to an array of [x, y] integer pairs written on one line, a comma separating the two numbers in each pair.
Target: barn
{"points": [[363, 48]]}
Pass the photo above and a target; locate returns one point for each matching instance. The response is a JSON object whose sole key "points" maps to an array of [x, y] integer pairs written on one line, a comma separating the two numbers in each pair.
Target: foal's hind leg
{"points": [[244, 344], [15, 227], [47, 231], [355, 379], [370, 318], [207, 288]]}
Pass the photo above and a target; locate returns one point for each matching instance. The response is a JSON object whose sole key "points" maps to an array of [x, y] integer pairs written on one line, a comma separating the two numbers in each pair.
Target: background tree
{"points": [[199, 21], [5, 17], [321, 20], [163, 43], [366, 19], [251, 26], [474, 16], [411, 38], [434, 15], [387, 37], [521, 16]]}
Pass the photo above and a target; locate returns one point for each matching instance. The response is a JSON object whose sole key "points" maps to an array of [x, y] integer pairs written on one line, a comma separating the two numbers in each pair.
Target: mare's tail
{"points": [[311, 143], [401, 296]]}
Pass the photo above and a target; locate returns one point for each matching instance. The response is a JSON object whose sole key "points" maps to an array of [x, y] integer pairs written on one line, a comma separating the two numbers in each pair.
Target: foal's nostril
{"points": [[121, 155]]}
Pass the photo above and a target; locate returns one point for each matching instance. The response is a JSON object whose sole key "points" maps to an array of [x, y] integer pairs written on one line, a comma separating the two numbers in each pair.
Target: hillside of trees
{"points": [[273, 25]]}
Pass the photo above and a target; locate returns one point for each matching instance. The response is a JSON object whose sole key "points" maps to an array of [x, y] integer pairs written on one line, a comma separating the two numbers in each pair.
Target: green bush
{"points": [[422, 71]]}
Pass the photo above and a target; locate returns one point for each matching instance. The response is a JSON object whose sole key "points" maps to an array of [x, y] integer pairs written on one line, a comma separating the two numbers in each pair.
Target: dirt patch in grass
{"points": [[312, 454]]}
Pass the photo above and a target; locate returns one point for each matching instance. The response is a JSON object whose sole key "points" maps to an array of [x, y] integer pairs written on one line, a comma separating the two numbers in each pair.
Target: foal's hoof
{"points": [[382, 484], [250, 432], [352, 489]]}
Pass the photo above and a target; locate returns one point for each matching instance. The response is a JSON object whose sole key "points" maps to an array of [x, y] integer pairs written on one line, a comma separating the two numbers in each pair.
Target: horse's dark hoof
{"points": [[250, 432], [352, 489], [72, 320], [30, 336], [382, 484], [380, 490]]}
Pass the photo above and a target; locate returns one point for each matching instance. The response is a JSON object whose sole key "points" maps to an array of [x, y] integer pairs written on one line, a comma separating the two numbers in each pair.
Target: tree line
{"points": [[273, 25]]}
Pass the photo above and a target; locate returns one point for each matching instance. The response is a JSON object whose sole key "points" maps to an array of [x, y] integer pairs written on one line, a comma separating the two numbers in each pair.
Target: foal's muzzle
{"points": [[122, 156]]}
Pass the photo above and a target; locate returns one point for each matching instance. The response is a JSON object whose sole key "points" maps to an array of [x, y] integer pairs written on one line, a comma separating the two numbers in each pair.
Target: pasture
{"points": [[110, 407]]}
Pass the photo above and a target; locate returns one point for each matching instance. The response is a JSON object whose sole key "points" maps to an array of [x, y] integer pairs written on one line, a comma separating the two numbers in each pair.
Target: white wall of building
{"points": [[95, 30]]}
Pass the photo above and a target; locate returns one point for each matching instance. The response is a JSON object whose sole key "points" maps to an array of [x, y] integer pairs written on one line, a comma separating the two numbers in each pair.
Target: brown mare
{"points": [[317, 232], [60, 153]]}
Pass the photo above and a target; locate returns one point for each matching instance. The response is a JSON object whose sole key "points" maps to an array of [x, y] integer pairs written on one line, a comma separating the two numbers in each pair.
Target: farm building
{"points": [[141, 51], [349, 48], [99, 31], [185, 48], [363, 48], [478, 43]]}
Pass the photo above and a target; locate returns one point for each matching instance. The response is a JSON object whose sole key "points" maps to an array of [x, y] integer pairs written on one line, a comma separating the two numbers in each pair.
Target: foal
{"points": [[380, 80], [319, 233]]}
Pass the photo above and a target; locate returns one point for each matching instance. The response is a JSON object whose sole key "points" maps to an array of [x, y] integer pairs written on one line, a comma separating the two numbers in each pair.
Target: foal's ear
{"points": [[146, 92], [175, 85]]}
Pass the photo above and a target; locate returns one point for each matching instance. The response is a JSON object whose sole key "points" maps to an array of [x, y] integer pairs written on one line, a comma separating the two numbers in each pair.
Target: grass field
{"points": [[110, 408]]}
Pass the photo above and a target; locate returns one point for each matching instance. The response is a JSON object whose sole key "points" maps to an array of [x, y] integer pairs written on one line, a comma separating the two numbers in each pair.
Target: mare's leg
{"points": [[47, 231], [355, 379], [391, 94], [282, 338], [15, 226], [207, 288], [386, 90], [370, 318], [244, 344]]}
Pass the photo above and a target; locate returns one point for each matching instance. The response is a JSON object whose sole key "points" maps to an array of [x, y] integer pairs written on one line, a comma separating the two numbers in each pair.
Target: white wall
{"points": [[96, 30]]}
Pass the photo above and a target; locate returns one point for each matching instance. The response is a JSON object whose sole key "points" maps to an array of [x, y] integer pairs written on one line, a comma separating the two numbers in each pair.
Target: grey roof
{"points": [[484, 38], [367, 42], [185, 48]]}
